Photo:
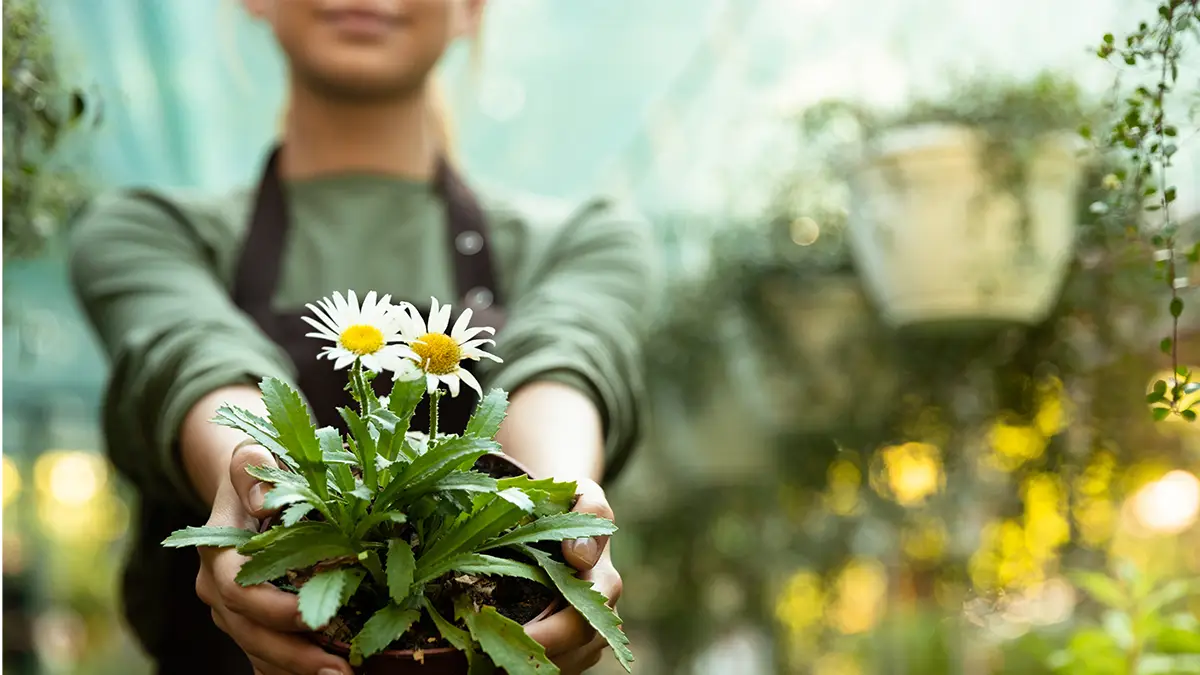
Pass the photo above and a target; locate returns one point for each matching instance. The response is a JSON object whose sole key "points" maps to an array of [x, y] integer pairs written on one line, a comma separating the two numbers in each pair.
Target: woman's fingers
{"points": [[286, 654], [263, 604], [583, 554], [561, 632], [251, 490], [580, 660]]}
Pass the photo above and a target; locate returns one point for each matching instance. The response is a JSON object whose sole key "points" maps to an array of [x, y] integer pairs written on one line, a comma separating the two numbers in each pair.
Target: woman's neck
{"points": [[324, 137]]}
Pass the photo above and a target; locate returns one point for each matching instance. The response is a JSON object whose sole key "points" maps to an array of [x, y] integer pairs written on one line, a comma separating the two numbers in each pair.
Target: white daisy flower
{"points": [[369, 332], [438, 355]]}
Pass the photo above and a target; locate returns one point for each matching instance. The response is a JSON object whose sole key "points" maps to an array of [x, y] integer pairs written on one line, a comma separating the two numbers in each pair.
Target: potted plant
{"points": [[963, 210], [409, 553], [40, 110]]}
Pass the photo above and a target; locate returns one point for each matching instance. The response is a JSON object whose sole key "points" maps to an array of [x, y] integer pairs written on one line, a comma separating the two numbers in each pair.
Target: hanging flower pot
{"points": [[938, 238]]}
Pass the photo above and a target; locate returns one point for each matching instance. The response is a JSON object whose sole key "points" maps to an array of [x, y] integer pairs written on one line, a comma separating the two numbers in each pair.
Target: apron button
{"points": [[469, 242], [479, 298]]}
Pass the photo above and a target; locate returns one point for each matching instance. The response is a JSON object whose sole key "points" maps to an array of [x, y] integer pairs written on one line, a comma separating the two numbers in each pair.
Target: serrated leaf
{"points": [[325, 593], [481, 563], [257, 428], [302, 529], [492, 518], [506, 642], [216, 537], [551, 496], [477, 663], [336, 458], [292, 421], [363, 445], [488, 415], [381, 630], [283, 494], [587, 601], [293, 552], [400, 567], [405, 397], [466, 481], [366, 524], [441, 460], [1105, 590], [295, 513], [554, 528], [276, 476]]}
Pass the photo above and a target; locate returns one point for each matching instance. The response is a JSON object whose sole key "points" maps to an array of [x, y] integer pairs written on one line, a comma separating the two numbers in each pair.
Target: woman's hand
{"points": [[263, 620], [570, 641]]}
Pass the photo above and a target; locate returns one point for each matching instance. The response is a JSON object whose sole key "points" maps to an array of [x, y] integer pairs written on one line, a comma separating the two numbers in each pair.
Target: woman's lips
{"points": [[362, 24]]}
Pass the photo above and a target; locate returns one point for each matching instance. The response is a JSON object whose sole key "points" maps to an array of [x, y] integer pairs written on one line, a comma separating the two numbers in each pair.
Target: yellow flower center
{"points": [[361, 339], [439, 353]]}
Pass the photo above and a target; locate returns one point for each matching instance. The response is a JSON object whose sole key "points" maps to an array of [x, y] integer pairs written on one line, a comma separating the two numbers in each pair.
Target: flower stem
{"points": [[359, 386], [434, 399]]}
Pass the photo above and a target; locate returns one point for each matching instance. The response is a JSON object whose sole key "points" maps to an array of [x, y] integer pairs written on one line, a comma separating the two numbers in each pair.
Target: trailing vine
{"points": [[1145, 133]]}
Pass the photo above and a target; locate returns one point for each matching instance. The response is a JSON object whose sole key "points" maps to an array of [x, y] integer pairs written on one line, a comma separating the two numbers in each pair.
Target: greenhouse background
{"points": [[755, 544]]}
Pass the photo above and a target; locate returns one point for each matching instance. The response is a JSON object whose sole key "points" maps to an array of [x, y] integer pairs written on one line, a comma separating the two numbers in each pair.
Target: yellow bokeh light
{"points": [[12, 481], [913, 472], [925, 541], [861, 592], [69, 477], [842, 496], [1013, 445], [1168, 505], [1051, 417], [802, 602]]}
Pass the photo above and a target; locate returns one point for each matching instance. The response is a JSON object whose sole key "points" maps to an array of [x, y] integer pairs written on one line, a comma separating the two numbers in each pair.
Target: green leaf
{"points": [[1176, 307], [276, 476], [550, 496], [366, 524], [217, 537], [442, 459], [587, 601], [558, 527], [400, 567], [301, 529], [487, 521], [283, 494], [1160, 414], [466, 481], [405, 397], [295, 513], [480, 563], [382, 629], [294, 552], [336, 458], [1169, 593], [324, 594], [363, 445], [292, 421], [506, 642], [257, 428], [1189, 415], [1104, 589], [477, 663], [1165, 345], [488, 415]]}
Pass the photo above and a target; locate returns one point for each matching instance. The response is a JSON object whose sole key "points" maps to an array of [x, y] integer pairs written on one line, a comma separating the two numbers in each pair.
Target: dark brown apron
{"points": [[173, 625]]}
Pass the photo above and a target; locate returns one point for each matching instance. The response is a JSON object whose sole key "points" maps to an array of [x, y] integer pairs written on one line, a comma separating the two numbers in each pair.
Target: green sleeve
{"points": [[147, 277], [579, 317]]}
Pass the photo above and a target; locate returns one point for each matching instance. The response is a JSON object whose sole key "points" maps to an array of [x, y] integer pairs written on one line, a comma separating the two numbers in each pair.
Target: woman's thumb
{"points": [[251, 491]]}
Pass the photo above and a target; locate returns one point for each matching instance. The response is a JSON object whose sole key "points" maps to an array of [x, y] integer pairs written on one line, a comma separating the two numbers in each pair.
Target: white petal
{"points": [[343, 360], [403, 369], [439, 317], [323, 317], [352, 304], [322, 336], [476, 330], [469, 380], [431, 383], [321, 329], [460, 326], [476, 354], [451, 382], [368, 303], [475, 344], [371, 363]]}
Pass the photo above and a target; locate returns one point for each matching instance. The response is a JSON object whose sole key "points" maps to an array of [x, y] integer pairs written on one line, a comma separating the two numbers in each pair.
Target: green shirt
{"points": [[154, 274]]}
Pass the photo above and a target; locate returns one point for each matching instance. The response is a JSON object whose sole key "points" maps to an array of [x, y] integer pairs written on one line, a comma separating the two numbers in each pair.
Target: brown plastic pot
{"points": [[440, 660]]}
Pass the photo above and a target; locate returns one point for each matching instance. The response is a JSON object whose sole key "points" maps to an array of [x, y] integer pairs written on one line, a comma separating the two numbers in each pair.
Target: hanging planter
{"points": [[937, 239], [963, 212]]}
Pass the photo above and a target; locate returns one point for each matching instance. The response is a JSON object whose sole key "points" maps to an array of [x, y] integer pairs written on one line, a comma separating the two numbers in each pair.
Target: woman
{"points": [[197, 300]]}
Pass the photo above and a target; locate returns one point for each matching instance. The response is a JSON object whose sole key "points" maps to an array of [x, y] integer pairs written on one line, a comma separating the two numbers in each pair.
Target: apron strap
{"points": [[260, 263]]}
